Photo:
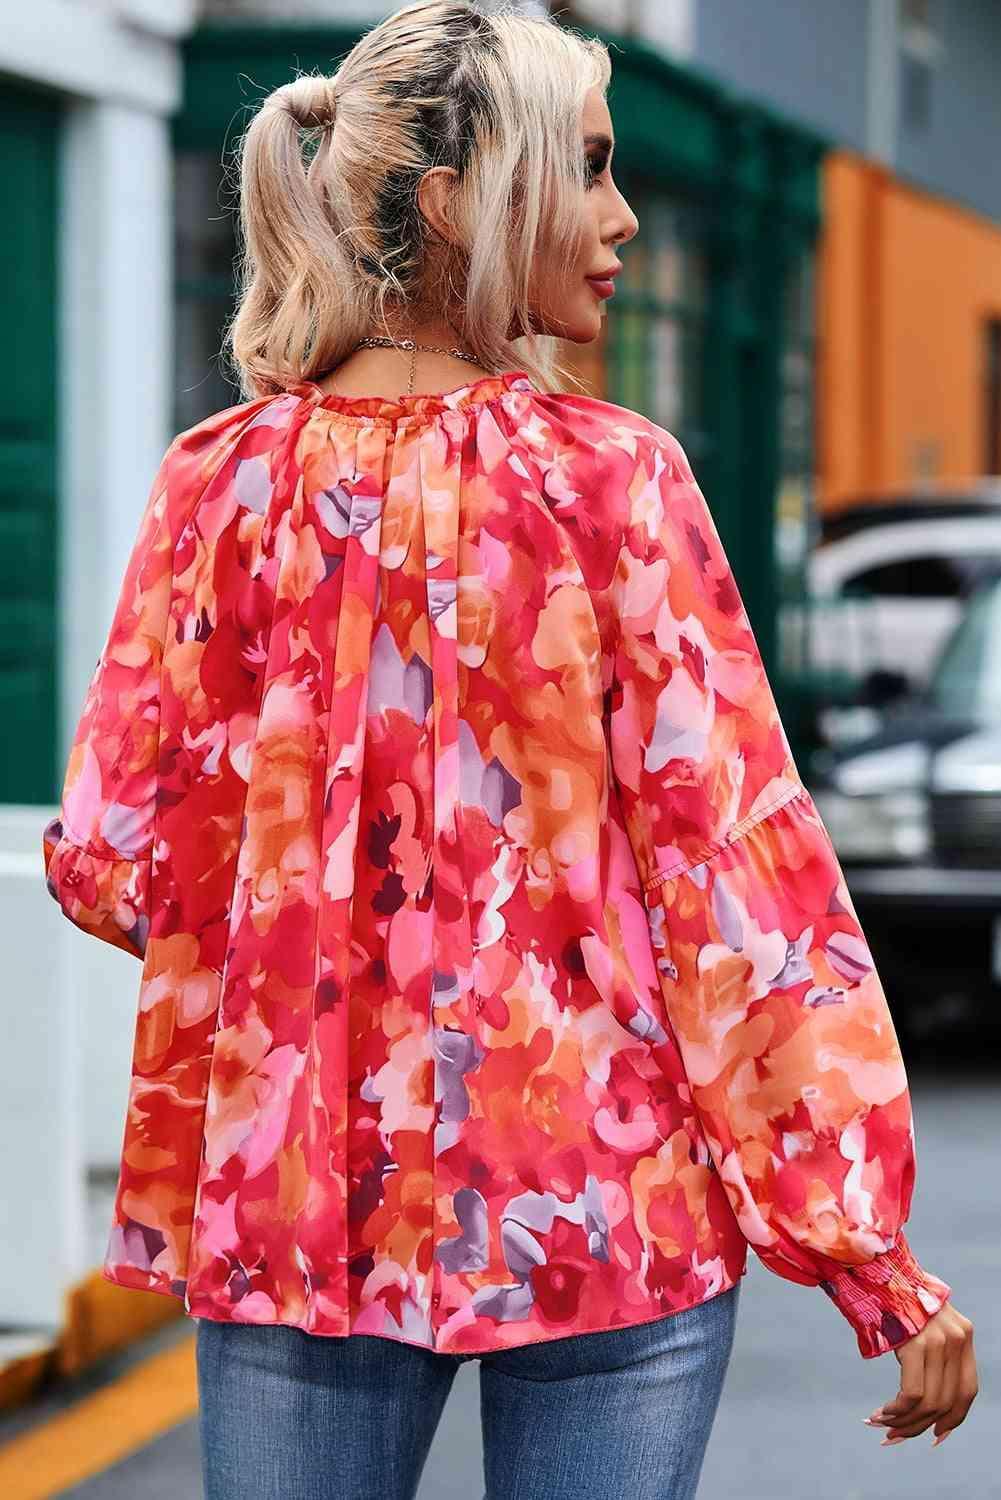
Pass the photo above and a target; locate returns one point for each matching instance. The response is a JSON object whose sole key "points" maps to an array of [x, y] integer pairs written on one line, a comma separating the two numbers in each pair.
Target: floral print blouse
{"points": [[499, 979]]}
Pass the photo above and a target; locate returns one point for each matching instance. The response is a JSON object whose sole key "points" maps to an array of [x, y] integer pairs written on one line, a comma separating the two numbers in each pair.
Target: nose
{"points": [[627, 225]]}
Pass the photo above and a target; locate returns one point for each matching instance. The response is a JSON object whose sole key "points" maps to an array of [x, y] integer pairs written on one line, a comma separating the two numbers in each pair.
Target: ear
{"points": [[434, 194]]}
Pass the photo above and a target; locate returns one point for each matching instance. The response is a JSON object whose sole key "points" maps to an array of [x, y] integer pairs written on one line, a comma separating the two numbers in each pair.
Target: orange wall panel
{"points": [[906, 281]]}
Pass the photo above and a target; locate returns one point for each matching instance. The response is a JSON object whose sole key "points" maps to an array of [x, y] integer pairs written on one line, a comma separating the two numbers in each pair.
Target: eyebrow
{"points": [[599, 139]]}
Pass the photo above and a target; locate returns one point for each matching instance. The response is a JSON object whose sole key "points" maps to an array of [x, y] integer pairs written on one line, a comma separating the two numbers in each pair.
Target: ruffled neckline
{"points": [[474, 393]]}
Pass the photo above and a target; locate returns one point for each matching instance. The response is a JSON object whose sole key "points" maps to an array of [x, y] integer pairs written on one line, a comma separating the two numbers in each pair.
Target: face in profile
{"points": [[569, 301]]}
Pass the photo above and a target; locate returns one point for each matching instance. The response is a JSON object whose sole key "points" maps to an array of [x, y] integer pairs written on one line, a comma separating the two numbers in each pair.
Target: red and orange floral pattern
{"points": [[499, 979]]}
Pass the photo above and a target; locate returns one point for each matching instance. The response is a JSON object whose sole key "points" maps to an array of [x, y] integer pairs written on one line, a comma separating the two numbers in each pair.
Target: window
{"points": [[929, 577], [796, 522], [992, 396], [915, 94], [920, 55], [655, 324], [918, 15], [204, 250], [966, 679]]}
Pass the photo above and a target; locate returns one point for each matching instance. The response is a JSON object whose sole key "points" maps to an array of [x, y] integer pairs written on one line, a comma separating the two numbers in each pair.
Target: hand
{"points": [[938, 1380]]}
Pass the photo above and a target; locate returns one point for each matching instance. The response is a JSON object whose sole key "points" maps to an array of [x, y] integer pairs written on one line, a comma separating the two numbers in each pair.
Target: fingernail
{"points": [[941, 1439], [899, 1438]]}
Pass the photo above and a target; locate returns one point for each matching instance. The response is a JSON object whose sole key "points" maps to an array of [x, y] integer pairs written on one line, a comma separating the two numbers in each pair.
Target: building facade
{"points": [[908, 312], [753, 159]]}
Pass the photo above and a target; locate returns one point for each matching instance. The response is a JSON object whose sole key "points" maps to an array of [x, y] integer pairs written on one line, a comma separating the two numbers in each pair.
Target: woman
{"points": [[500, 983]]}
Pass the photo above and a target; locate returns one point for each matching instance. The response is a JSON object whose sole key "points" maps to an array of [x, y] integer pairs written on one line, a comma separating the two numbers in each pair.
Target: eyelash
{"points": [[595, 167]]}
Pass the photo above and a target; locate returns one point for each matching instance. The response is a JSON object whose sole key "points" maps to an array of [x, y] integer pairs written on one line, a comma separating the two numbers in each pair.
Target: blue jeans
{"points": [[594, 1416]]}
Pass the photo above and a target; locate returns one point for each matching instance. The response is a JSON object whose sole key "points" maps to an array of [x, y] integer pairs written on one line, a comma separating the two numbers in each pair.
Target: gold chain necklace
{"points": [[377, 341]]}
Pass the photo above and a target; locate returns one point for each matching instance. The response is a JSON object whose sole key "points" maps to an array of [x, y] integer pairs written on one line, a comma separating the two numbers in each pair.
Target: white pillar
{"points": [[113, 69], [116, 360], [116, 380], [882, 81]]}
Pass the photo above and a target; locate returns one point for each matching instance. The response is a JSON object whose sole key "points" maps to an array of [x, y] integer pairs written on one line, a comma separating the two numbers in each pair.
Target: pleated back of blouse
{"points": [[499, 978]]}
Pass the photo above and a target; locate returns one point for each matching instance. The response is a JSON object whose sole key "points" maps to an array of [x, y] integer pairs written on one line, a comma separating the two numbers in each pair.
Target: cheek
{"points": [[555, 275], [590, 232], [586, 255]]}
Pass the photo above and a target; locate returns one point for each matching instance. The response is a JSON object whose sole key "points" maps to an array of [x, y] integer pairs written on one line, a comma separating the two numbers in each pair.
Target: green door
{"points": [[29, 127]]}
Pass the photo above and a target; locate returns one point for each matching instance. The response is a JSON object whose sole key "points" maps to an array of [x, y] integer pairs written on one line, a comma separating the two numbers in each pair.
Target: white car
{"points": [[887, 596], [914, 810]]}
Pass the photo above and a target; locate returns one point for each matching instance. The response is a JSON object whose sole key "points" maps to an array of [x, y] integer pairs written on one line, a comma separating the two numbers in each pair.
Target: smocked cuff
{"points": [[106, 897], [888, 1299]]}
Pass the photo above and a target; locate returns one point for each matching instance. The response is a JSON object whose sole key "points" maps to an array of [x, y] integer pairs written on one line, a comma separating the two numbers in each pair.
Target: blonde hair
{"points": [[329, 168]]}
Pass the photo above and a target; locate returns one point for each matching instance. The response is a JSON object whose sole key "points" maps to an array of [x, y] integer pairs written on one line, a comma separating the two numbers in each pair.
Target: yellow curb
{"points": [[102, 1317], [22, 1376], [101, 1430]]}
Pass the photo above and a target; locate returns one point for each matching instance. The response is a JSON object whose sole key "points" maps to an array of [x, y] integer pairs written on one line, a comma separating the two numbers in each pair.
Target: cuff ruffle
{"points": [[106, 897]]}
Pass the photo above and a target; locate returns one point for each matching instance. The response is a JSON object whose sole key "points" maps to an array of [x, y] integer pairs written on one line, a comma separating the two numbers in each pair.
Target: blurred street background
{"points": [[813, 306]]}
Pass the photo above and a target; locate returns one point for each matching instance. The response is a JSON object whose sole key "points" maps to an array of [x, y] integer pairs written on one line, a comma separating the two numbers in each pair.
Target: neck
{"points": [[388, 370], [434, 331]]}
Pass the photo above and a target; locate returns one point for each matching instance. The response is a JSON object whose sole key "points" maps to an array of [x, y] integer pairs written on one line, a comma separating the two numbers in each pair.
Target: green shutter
{"points": [[727, 195], [29, 126]]}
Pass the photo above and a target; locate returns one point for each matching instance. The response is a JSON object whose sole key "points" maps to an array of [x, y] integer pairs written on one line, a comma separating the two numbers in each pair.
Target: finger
{"points": [[923, 1413], [966, 1392], [941, 1353], [912, 1363], [950, 1388], [969, 1382]]}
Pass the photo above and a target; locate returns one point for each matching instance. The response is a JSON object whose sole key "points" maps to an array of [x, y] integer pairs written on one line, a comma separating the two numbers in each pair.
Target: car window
{"points": [[966, 678], [928, 577], [982, 569]]}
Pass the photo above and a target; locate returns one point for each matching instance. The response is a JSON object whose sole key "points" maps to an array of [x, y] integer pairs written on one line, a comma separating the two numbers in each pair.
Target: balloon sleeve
{"points": [[779, 1014]]}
